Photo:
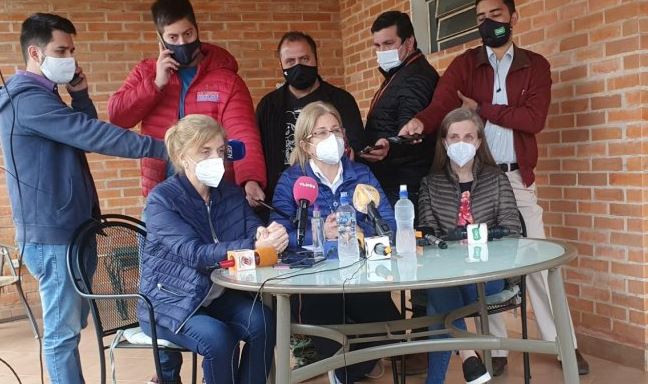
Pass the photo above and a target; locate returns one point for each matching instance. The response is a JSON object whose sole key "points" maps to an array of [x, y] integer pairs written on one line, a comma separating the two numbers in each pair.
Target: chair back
{"points": [[104, 263]]}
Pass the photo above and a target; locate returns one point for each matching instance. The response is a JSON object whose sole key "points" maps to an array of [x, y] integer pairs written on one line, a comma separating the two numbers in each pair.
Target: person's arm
{"points": [[425, 211], [81, 102], [78, 130], [413, 97], [135, 99], [169, 228], [445, 97], [531, 115], [239, 121], [508, 215], [351, 120]]}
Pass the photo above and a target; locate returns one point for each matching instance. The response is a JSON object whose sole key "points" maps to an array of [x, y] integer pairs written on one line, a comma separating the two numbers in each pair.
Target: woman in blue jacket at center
{"points": [[318, 153]]}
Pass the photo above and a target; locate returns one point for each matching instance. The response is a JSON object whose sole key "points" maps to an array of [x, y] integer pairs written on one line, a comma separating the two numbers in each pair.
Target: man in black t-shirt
{"points": [[278, 111]]}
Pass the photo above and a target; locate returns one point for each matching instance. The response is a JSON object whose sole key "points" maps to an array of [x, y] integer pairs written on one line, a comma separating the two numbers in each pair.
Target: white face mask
{"points": [[388, 59], [461, 153], [330, 150], [210, 171], [59, 70]]}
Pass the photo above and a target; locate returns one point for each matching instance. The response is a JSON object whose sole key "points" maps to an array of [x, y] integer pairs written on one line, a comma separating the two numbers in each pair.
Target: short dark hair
{"points": [[37, 30], [167, 12], [293, 36], [510, 4], [401, 20]]}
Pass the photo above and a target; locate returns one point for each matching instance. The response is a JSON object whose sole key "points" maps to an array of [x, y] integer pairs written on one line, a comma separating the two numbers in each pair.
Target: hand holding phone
{"points": [[370, 148], [166, 65], [406, 139]]}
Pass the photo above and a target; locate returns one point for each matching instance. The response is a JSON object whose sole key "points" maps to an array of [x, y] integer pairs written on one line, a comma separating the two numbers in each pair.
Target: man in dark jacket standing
{"points": [[278, 111], [44, 143], [510, 88], [407, 89]]}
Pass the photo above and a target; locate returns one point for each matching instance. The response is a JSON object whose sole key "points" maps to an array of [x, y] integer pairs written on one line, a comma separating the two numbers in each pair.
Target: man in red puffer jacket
{"points": [[189, 77]]}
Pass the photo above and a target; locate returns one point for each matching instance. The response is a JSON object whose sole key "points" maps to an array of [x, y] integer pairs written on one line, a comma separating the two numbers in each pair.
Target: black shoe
{"points": [[499, 363], [474, 371], [583, 365]]}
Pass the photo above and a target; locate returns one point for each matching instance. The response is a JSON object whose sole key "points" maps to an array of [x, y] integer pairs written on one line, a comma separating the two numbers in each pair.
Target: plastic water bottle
{"points": [[348, 251], [405, 236], [317, 228]]}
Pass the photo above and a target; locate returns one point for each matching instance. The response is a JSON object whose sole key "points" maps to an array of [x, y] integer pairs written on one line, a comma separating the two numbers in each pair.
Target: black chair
{"points": [[103, 260], [518, 300]]}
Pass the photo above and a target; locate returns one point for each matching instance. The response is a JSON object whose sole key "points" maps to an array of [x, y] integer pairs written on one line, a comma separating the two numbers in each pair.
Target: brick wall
{"points": [[114, 35], [593, 153]]}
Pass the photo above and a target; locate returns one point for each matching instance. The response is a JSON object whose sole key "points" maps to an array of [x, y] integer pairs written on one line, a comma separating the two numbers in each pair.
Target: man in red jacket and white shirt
{"points": [[510, 88], [189, 77]]}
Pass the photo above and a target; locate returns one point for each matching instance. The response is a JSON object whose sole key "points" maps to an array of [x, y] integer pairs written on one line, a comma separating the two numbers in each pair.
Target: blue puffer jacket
{"points": [[352, 174], [186, 236]]}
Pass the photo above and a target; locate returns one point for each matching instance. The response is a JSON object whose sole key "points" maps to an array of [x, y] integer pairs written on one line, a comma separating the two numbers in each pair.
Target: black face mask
{"points": [[494, 34], [184, 54], [300, 76]]}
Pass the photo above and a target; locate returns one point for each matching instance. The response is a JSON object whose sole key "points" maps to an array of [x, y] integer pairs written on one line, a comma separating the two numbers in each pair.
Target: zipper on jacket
{"points": [[211, 225], [213, 233], [161, 288]]}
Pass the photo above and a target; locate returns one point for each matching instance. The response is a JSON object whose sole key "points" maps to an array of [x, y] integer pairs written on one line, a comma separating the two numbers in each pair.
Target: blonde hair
{"points": [[306, 124], [192, 131]]}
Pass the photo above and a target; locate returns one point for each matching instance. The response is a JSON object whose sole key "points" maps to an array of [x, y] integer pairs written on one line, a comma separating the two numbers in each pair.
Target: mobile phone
{"points": [[405, 139], [370, 148], [76, 79]]}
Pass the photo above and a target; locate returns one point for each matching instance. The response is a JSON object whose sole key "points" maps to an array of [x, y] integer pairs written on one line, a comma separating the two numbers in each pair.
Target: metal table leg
{"points": [[563, 326], [483, 319], [283, 340]]}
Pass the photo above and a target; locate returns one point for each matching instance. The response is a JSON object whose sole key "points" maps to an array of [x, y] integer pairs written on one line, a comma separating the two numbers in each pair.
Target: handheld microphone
{"points": [[245, 259], [460, 233], [305, 193], [429, 237], [235, 150], [366, 199]]}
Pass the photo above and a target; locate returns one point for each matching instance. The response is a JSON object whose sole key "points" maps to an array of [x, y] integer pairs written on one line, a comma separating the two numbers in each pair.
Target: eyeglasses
{"points": [[324, 133]]}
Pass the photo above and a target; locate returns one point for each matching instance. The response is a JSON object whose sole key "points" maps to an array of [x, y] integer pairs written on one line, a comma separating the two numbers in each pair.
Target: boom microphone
{"points": [[242, 259], [366, 199], [460, 233], [305, 193], [429, 238], [235, 150]]}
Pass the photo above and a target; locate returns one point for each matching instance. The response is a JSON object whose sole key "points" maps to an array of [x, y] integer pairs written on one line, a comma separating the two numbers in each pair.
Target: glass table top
{"points": [[459, 264]]}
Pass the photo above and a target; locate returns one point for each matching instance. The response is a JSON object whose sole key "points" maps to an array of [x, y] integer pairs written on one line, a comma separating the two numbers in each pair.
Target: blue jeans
{"points": [[443, 300], [65, 313], [214, 332]]}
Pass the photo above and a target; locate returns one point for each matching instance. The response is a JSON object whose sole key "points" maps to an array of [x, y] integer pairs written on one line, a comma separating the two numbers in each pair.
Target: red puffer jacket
{"points": [[216, 90]]}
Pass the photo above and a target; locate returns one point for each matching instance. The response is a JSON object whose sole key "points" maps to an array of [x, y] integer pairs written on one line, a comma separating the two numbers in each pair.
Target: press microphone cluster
{"points": [[248, 259], [305, 191], [460, 233]]}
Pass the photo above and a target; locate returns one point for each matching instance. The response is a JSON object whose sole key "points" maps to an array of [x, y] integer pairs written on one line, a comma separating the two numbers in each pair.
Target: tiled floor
{"points": [[20, 349]]}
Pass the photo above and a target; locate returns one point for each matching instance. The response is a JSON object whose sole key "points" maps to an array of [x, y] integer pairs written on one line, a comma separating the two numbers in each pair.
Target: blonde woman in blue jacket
{"points": [[193, 219]]}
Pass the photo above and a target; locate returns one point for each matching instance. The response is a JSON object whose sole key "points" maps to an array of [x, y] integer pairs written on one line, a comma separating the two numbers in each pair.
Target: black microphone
{"points": [[460, 233], [430, 238], [305, 193]]}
